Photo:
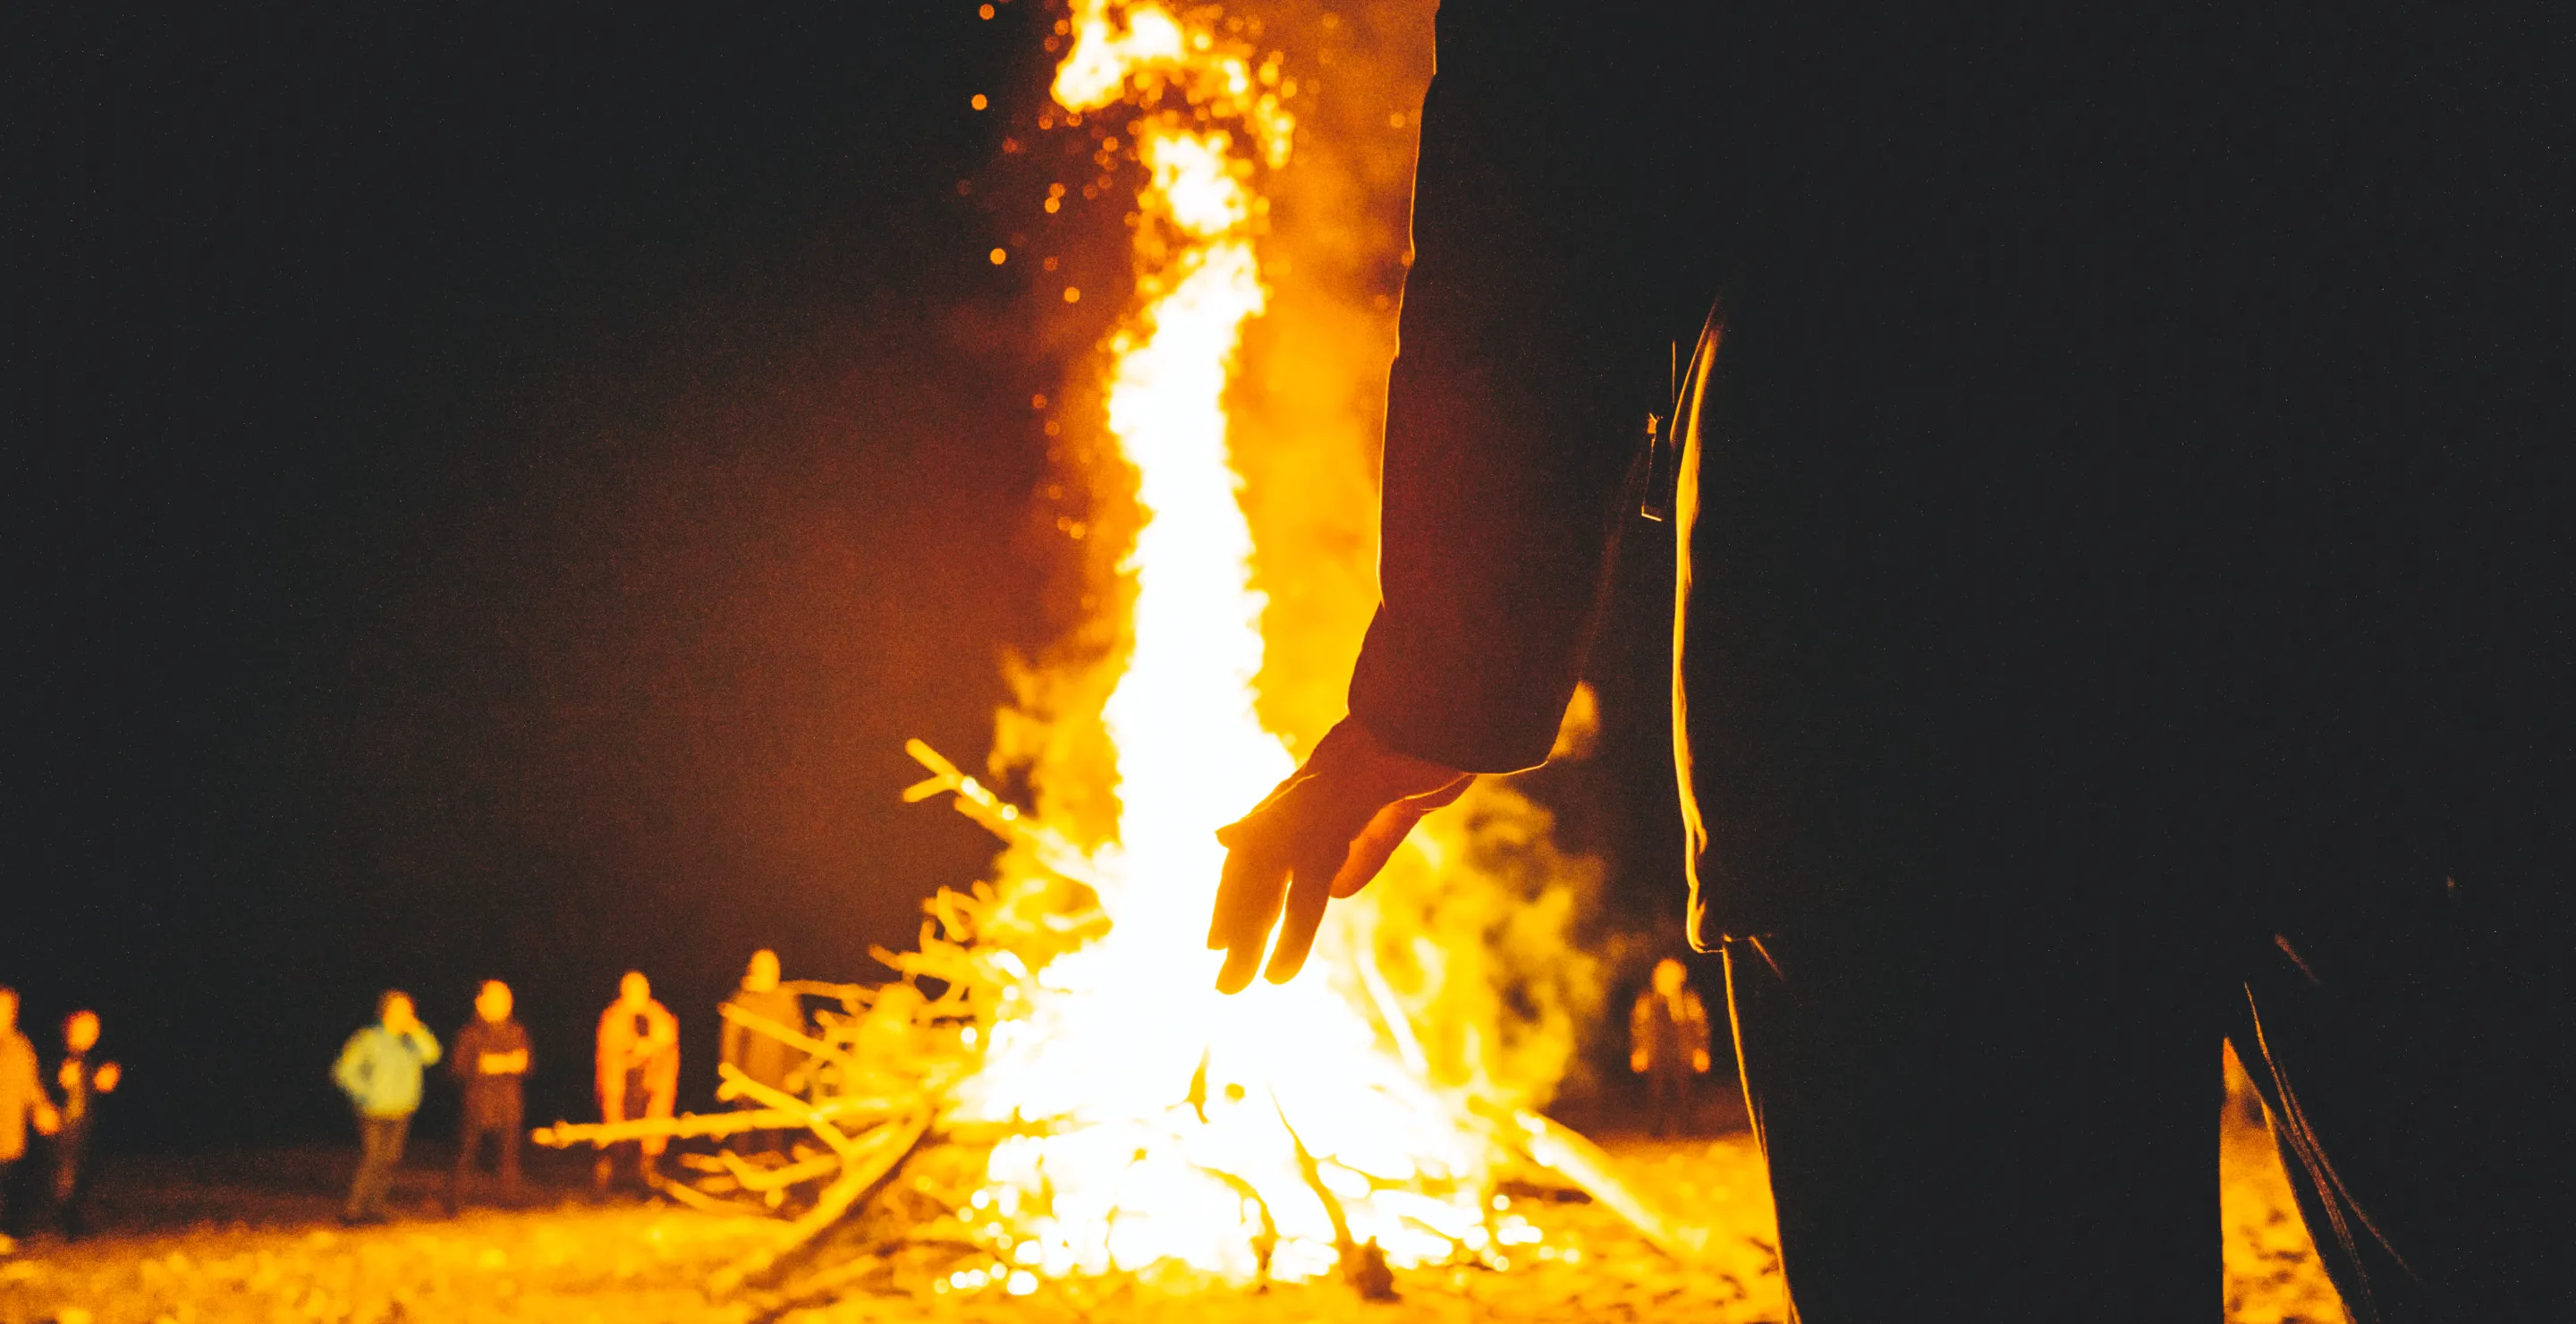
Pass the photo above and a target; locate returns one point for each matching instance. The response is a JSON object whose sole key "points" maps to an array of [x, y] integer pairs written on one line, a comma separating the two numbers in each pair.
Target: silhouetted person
{"points": [[22, 1101], [84, 1084], [380, 1070], [491, 1064], [638, 1074], [759, 1056], [1668, 1045], [2121, 520]]}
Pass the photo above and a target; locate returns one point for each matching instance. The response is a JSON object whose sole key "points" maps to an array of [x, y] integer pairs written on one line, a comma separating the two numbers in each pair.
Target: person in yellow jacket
{"points": [[639, 1072]]}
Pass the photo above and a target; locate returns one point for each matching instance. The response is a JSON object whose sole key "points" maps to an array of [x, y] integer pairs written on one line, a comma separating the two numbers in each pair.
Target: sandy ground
{"points": [[251, 1239]]}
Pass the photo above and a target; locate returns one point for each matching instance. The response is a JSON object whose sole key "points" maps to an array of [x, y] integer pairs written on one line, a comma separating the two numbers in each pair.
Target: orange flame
{"points": [[1176, 1126]]}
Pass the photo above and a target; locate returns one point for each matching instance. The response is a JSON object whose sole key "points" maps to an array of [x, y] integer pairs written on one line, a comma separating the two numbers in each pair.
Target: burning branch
{"points": [[1582, 1163], [996, 815]]}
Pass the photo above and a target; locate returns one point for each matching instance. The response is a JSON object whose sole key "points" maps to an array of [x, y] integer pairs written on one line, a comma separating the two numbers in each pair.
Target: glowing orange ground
{"points": [[631, 1264]]}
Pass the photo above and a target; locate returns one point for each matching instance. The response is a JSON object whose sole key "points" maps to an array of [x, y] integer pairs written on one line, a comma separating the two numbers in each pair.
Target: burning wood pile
{"points": [[897, 1149]]}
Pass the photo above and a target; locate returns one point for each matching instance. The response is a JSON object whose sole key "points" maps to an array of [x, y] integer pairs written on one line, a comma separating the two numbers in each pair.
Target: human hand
{"points": [[1700, 1061], [1321, 834], [1637, 1061]]}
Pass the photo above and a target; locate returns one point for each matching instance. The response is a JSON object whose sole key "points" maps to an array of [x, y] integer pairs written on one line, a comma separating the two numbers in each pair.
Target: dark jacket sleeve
{"points": [[465, 1061], [1513, 414]]}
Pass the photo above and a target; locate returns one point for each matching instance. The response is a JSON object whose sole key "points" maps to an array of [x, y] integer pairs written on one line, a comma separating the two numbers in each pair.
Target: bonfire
{"points": [[1054, 1089]]}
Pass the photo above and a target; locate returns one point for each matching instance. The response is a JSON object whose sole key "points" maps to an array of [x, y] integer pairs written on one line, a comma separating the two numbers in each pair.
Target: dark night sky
{"points": [[487, 492], [491, 493]]}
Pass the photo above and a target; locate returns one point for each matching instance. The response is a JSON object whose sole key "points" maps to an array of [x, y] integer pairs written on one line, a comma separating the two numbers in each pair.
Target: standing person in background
{"points": [[760, 1056], [639, 1072], [379, 1069], [491, 1064], [22, 1100], [1668, 1044], [83, 1084]]}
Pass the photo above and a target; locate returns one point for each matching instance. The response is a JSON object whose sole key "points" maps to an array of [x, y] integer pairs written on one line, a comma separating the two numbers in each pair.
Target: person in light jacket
{"points": [[380, 1069]]}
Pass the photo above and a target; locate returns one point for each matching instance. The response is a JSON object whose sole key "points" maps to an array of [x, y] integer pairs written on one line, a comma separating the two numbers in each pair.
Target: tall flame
{"points": [[1274, 1131]]}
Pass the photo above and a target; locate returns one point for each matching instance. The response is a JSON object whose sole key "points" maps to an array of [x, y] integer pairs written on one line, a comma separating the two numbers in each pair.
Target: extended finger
{"points": [[1310, 891], [1249, 893]]}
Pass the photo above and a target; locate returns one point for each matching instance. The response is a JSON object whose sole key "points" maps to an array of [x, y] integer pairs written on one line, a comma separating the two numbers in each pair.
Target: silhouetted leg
{"points": [[380, 1145], [2415, 1057], [71, 1182], [1961, 1125], [506, 1129], [1671, 1092], [469, 1139]]}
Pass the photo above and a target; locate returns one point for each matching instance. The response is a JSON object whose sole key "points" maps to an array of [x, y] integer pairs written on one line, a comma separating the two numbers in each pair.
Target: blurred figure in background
{"points": [[22, 1101], [379, 1069], [83, 1084], [762, 1057], [491, 1064], [639, 1073], [1668, 1045]]}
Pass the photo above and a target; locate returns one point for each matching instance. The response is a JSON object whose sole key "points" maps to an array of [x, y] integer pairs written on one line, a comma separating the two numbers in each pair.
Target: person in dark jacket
{"points": [[491, 1064], [85, 1084], [747, 1047], [1668, 1045], [637, 1074], [2123, 598], [380, 1070]]}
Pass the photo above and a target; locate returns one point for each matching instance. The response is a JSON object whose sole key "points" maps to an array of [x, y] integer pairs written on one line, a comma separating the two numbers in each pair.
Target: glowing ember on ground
{"points": [[627, 1265]]}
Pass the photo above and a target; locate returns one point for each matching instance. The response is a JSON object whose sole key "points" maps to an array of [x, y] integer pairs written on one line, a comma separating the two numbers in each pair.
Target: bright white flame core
{"points": [[1135, 1167]]}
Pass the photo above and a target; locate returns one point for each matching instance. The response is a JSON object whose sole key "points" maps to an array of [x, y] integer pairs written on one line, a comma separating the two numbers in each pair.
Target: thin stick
{"points": [[681, 1192], [774, 1179], [737, 1085], [758, 1023], [892, 1143], [564, 1135], [997, 816]]}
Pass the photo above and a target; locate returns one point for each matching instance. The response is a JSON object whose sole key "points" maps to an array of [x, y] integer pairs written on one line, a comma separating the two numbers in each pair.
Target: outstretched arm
{"points": [[1507, 436]]}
